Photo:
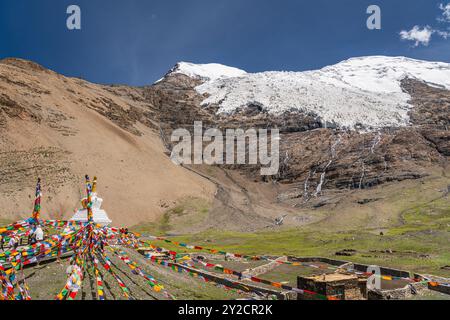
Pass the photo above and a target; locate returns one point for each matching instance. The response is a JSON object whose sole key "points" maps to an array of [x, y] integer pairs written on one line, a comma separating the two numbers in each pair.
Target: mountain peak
{"points": [[209, 71], [24, 64], [382, 74]]}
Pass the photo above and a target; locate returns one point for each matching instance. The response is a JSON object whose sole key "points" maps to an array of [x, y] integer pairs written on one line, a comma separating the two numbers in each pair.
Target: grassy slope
{"points": [[188, 212], [415, 220]]}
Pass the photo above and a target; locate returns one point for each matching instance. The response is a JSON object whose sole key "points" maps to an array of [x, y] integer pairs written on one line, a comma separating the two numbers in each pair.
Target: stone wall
{"points": [[440, 288], [397, 294], [384, 271], [357, 266], [333, 262], [264, 268], [236, 284]]}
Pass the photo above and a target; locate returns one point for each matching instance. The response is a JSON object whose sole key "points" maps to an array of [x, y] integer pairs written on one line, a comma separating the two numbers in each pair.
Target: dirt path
{"points": [[232, 209]]}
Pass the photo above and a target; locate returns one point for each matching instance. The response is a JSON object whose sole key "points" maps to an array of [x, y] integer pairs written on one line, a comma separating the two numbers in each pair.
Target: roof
{"points": [[333, 277]]}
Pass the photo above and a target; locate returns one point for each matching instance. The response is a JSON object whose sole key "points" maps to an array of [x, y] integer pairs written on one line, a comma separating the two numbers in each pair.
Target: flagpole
{"points": [[37, 201], [90, 216]]}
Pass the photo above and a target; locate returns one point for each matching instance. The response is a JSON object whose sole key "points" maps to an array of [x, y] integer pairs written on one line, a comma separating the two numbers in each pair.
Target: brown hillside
{"points": [[61, 128]]}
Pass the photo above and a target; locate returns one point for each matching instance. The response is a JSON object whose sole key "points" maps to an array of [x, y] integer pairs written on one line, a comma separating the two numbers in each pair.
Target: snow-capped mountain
{"points": [[44, 115], [207, 72], [359, 92]]}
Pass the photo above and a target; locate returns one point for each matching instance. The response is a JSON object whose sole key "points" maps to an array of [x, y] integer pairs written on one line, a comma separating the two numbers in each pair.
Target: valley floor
{"points": [[405, 225]]}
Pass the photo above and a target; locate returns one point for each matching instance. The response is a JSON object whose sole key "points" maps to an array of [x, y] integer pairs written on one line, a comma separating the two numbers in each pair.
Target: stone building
{"points": [[340, 286]]}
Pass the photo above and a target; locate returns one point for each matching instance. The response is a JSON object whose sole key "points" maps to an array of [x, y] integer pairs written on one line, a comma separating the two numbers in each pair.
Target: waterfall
{"points": [[375, 142], [333, 156], [322, 179], [333, 147], [362, 174]]}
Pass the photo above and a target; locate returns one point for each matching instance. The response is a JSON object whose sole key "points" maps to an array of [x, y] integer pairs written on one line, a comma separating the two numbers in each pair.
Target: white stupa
{"points": [[100, 216]]}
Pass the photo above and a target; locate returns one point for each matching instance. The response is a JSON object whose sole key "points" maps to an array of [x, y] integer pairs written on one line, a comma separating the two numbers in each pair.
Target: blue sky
{"points": [[136, 41]]}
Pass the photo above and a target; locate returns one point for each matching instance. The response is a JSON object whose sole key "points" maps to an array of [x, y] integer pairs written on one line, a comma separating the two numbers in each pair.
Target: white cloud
{"points": [[421, 36], [445, 12], [443, 34]]}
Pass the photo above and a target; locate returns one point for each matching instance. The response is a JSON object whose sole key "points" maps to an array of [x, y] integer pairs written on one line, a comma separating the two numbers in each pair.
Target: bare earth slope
{"points": [[61, 128]]}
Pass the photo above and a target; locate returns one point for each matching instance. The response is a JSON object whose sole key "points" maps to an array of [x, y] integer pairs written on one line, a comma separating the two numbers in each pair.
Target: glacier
{"points": [[363, 92]]}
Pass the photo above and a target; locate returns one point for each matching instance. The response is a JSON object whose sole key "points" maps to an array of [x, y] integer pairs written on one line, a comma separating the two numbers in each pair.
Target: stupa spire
{"points": [[91, 211], [94, 185]]}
